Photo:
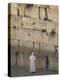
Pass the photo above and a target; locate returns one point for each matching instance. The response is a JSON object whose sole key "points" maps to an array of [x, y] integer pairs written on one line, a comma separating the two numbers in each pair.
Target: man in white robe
{"points": [[32, 59]]}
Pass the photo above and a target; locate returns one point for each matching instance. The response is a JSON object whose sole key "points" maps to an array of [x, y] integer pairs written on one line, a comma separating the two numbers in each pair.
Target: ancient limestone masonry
{"points": [[34, 28]]}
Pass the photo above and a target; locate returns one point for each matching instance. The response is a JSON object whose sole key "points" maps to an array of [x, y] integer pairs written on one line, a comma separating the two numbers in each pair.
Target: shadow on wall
{"points": [[21, 58]]}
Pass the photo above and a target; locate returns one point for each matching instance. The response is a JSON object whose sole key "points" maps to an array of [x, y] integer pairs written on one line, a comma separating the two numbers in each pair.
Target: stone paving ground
{"points": [[23, 71]]}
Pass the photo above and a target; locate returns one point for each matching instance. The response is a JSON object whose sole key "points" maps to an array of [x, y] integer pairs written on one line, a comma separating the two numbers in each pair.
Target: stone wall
{"points": [[32, 29]]}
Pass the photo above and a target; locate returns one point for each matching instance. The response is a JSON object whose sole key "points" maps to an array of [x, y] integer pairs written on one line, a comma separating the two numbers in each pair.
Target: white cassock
{"points": [[32, 63]]}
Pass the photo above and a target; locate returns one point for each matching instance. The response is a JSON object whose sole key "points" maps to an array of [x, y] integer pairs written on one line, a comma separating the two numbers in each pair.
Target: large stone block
{"points": [[29, 35], [53, 63], [13, 9], [16, 21]]}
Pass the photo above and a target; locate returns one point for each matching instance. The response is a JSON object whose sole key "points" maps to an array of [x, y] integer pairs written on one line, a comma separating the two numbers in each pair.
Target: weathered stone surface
{"points": [[31, 30]]}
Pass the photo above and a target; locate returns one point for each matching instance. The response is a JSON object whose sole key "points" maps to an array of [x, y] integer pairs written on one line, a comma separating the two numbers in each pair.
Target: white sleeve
{"points": [[30, 58]]}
